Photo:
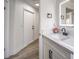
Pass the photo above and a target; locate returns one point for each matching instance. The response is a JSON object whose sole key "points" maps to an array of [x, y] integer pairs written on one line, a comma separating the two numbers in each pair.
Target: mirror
{"points": [[66, 13]]}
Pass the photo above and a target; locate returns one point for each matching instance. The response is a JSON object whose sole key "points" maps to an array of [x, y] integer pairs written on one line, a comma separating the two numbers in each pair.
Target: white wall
{"points": [[16, 25], [9, 20], [49, 6], [11, 24]]}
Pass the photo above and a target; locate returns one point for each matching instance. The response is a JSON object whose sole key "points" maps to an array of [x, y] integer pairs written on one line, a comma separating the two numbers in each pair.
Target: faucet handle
{"points": [[63, 30]]}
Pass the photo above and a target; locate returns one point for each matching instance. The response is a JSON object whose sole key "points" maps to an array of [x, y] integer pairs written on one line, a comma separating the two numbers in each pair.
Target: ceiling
{"points": [[32, 3]]}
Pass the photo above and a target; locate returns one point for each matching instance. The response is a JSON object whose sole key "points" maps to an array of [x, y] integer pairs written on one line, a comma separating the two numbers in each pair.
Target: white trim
{"points": [[41, 47], [66, 24], [28, 10], [29, 43]]}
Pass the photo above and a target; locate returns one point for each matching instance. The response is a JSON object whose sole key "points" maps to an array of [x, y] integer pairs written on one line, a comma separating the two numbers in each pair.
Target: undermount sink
{"points": [[62, 37], [67, 39]]}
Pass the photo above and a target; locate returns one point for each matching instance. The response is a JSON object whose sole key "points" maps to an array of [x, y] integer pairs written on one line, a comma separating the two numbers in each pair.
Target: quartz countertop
{"points": [[64, 41]]}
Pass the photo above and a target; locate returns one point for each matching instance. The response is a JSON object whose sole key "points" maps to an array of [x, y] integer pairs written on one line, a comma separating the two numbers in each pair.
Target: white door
{"points": [[28, 24]]}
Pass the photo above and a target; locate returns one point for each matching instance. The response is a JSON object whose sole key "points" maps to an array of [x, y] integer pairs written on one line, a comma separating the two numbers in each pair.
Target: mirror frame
{"points": [[61, 3]]}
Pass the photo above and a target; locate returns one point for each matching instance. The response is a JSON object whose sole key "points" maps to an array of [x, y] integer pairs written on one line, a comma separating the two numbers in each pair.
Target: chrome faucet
{"points": [[64, 31]]}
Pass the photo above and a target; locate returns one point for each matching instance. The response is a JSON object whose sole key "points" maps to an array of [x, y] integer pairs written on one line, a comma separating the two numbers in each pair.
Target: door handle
{"points": [[33, 27]]}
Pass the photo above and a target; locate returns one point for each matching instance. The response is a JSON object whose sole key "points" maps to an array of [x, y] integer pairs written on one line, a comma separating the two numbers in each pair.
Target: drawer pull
{"points": [[50, 54]]}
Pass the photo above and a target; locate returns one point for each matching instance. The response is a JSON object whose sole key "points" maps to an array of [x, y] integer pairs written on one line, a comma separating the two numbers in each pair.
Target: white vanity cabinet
{"points": [[54, 51]]}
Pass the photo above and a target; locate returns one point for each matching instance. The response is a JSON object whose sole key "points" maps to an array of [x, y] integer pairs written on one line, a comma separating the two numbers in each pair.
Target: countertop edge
{"points": [[59, 42]]}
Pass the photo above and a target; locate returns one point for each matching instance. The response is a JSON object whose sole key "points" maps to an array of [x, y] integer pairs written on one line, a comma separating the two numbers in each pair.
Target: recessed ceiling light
{"points": [[37, 4]]}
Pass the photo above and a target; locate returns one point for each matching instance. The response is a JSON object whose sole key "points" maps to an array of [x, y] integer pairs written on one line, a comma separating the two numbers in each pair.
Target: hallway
{"points": [[29, 52]]}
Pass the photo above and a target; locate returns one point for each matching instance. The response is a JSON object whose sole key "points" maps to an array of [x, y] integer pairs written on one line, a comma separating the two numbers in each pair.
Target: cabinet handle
{"points": [[50, 54]]}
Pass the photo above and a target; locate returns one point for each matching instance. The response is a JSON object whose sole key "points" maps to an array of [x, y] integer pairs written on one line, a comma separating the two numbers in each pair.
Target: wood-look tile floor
{"points": [[29, 52]]}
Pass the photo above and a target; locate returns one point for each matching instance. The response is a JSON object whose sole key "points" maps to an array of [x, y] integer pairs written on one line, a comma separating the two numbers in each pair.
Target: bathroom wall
{"points": [[15, 41], [49, 6], [46, 24]]}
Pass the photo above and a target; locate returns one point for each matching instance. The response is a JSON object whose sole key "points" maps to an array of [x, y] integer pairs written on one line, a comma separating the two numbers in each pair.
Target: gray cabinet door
{"points": [[57, 55], [57, 52]]}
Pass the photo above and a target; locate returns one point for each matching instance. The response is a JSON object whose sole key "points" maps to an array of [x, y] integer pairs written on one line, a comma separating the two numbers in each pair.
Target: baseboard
{"points": [[21, 49], [29, 43]]}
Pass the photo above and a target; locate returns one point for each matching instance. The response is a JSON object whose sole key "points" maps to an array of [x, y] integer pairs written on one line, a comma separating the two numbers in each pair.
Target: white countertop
{"points": [[57, 38]]}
